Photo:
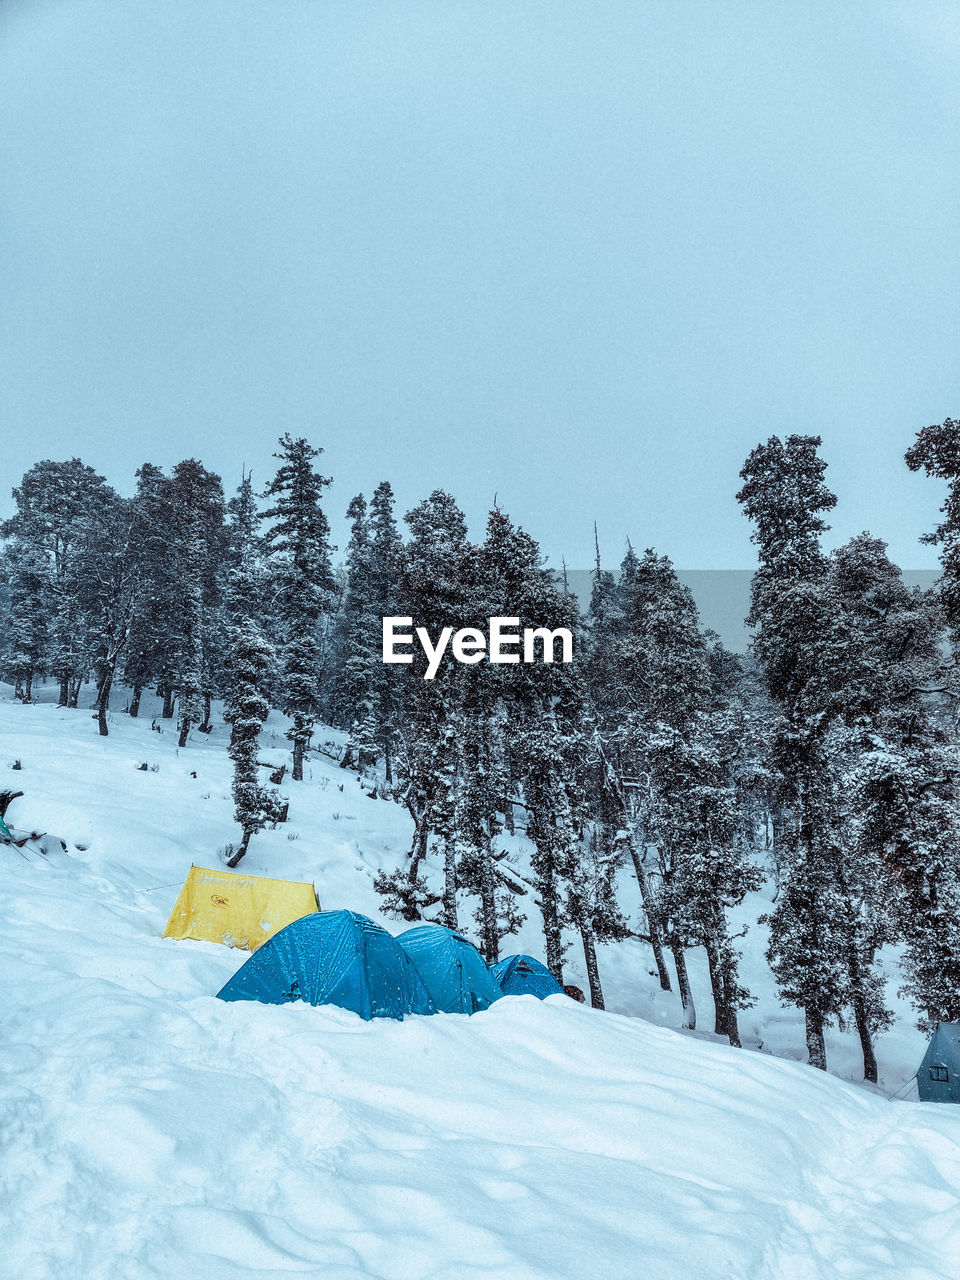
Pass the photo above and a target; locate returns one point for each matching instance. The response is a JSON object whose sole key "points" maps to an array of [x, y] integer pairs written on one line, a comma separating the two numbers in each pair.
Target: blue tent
{"points": [[452, 969], [333, 957], [938, 1079], [524, 976]]}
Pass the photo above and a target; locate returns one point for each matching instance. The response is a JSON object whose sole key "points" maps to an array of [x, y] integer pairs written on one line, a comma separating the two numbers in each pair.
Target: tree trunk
{"points": [[508, 818], [387, 762], [64, 699], [419, 850], [488, 910], [653, 928], [720, 1010], [75, 691], [549, 909], [135, 700], [733, 1026], [816, 1048], [240, 851], [184, 731], [167, 711], [28, 688], [686, 994], [866, 1039], [298, 750], [205, 725], [103, 703], [593, 971], [450, 883]]}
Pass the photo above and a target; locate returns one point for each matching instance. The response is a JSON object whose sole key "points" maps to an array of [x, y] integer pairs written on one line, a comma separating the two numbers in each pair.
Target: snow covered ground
{"points": [[150, 1130]]}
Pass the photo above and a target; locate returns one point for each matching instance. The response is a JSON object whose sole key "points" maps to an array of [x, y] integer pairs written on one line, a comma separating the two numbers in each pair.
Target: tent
{"points": [[524, 976], [938, 1079], [237, 910], [333, 957], [452, 969]]}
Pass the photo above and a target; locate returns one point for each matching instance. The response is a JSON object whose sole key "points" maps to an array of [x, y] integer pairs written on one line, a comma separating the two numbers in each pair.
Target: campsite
{"points": [[156, 1128]]}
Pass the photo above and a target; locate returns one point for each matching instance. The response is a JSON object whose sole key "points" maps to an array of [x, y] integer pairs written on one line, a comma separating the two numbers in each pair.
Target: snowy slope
{"points": [[151, 1130]]}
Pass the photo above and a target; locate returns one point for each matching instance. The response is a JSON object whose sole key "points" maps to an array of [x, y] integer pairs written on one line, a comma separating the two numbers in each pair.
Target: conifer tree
{"points": [[148, 657], [27, 640], [249, 669], [902, 783], [785, 496], [936, 451], [432, 594], [198, 510], [105, 582], [357, 660], [385, 582], [54, 503], [299, 542]]}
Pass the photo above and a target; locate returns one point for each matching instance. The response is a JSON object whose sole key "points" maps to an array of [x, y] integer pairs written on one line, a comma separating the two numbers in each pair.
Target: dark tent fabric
{"points": [[938, 1079], [452, 969], [524, 976], [333, 957]]}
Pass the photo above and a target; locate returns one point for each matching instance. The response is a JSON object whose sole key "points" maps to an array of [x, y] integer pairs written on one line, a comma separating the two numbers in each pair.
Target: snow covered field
{"points": [[150, 1130]]}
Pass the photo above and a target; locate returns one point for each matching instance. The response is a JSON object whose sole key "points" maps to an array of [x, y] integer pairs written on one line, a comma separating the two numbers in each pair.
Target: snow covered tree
{"points": [[249, 669], [55, 502], [385, 583], [299, 542], [251, 659], [545, 705], [901, 782], [431, 593], [199, 545], [356, 648], [105, 575], [27, 632], [936, 451], [785, 496], [149, 658]]}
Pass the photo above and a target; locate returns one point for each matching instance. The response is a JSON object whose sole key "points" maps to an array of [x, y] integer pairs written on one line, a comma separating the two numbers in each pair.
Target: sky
{"points": [[579, 256]]}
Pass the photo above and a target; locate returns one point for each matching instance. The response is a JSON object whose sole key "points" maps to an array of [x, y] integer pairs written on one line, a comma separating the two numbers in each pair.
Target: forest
{"points": [[824, 761]]}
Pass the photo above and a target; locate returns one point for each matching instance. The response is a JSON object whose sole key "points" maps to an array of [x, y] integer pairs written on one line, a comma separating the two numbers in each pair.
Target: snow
{"points": [[154, 1131]]}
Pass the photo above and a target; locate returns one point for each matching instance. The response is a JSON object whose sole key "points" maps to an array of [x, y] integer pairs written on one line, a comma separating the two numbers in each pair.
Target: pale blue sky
{"points": [[584, 255]]}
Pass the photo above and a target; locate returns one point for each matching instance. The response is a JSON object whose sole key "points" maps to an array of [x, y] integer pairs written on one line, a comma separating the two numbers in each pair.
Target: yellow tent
{"points": [[239, 911]]}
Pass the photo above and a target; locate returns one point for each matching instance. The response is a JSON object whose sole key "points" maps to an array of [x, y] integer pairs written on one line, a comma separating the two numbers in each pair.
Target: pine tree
{"points": [[545, 704], [54, 503], [27, 572], [249, 668], [936, 451], [901, 780], [299, 541], [357, 654], [785, 496], [432, 594], [105, 573], [385, 583], [148, 656], [199, 544]]}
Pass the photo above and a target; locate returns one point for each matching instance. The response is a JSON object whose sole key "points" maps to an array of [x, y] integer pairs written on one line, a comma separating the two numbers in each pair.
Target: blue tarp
{"points": [[333, 957], [453, 970], [938, 1079], [524, 976]]}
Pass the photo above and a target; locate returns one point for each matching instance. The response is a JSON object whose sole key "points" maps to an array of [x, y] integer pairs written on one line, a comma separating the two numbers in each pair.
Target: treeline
{"points": [[827, 758]]}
